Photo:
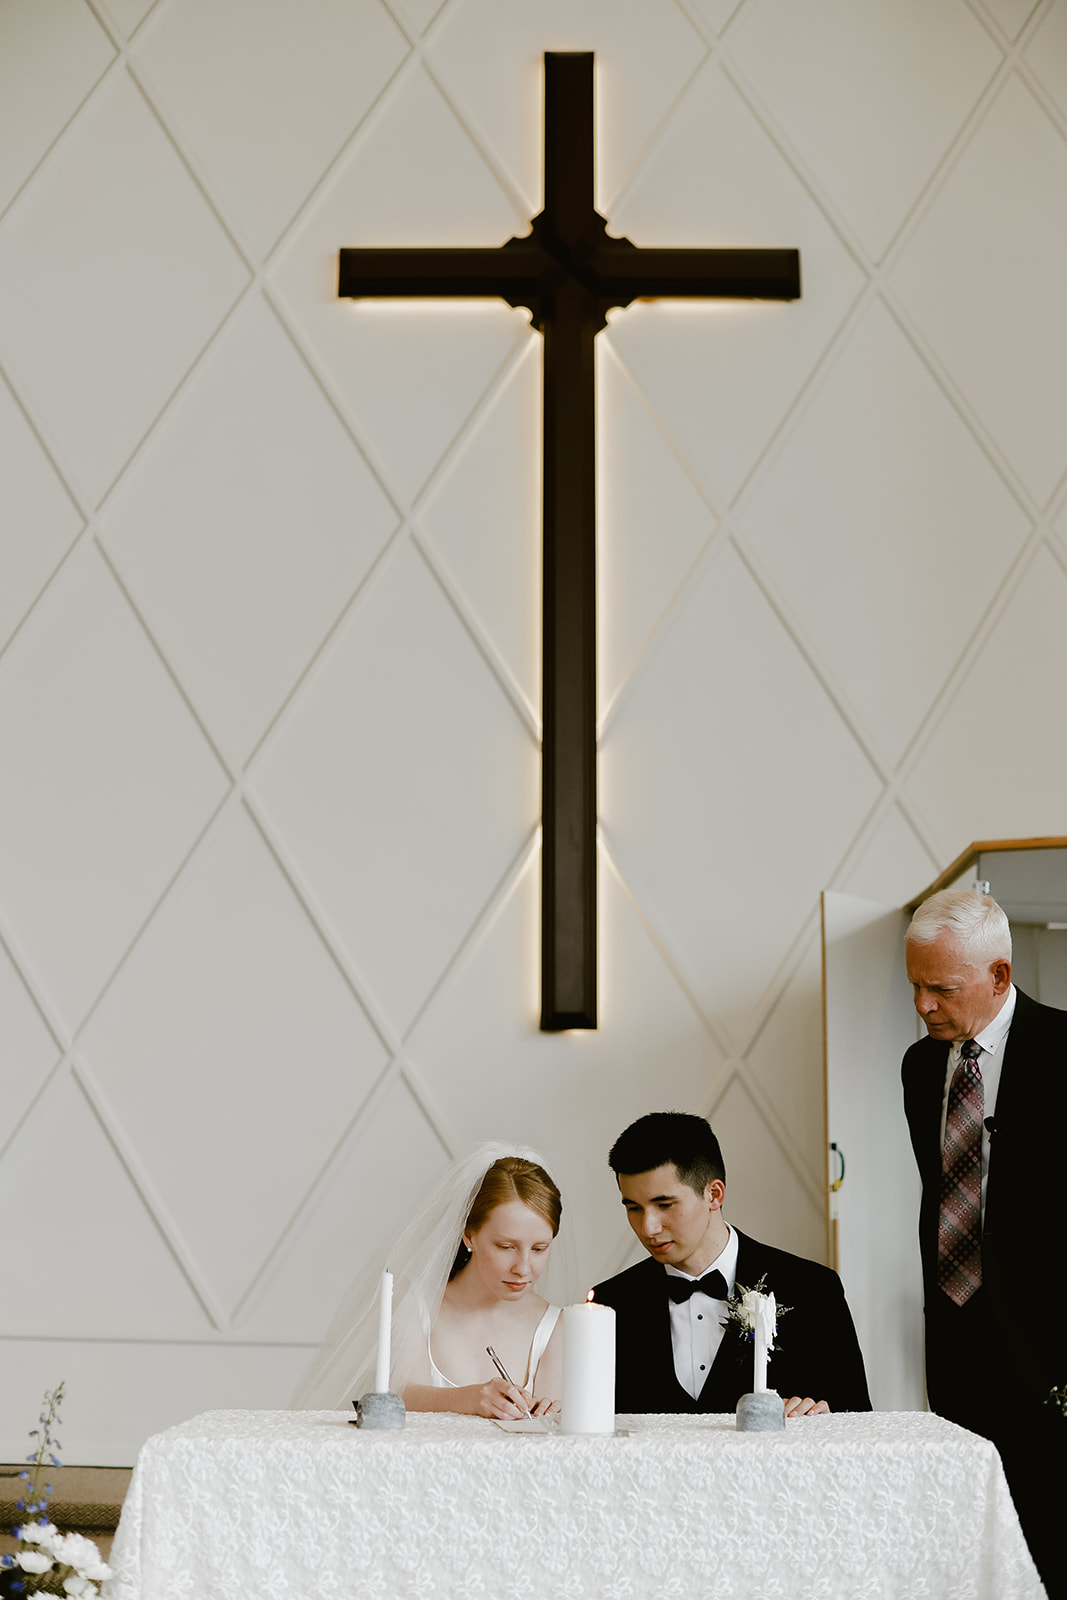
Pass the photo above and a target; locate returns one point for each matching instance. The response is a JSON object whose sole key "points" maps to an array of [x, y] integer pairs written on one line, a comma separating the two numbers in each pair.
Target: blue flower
{"points": [[20, 1505], [55, 1459], [7, 1561]]}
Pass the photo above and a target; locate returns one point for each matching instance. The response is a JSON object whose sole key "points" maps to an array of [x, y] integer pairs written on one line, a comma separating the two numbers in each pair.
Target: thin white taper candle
{"points": [[385, 1329], [762, 1339]]}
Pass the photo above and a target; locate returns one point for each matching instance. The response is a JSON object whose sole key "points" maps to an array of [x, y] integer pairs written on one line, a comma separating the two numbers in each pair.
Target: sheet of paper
{"points": [[524, 1425]]}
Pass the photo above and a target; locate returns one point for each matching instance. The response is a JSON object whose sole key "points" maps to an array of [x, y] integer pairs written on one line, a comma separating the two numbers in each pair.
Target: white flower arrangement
{"points": [[49, 1562]]}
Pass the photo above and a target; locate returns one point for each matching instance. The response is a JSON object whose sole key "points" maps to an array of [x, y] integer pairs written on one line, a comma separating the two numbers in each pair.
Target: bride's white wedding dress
{"points": [[542, 1334]]}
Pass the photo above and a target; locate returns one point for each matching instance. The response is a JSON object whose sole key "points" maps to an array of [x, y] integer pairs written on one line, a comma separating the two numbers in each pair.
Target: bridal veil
{"points": [[420, 1261]]}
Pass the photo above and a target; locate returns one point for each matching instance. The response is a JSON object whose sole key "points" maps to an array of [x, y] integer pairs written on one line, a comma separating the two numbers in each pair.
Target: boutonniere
{"points": [[741, 1313], [1058, 1398]]}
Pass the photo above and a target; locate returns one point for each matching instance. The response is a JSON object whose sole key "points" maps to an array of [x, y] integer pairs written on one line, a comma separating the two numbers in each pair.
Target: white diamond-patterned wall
{"points": [[113, 273], [759, 727], [872, 117], [29, 1053], [38, 520], [108, 782], [401, 810], [53, 52], [241, 107], [248, 504], [721, 377], [482, 520], [981, 276], [875, 491], [270, 615], [230, 1030], [642, 483]]}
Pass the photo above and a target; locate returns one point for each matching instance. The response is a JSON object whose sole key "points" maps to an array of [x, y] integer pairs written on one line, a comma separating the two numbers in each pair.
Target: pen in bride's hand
{"points": [[503, 1371]]}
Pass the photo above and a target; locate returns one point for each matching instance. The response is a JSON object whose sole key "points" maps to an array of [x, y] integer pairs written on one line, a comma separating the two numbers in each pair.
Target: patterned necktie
{"points": [[959, 1232], [712, 1283]]}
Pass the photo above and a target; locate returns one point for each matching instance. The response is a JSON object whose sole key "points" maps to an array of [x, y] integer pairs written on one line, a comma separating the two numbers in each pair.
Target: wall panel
{"points": [[269, 613]]}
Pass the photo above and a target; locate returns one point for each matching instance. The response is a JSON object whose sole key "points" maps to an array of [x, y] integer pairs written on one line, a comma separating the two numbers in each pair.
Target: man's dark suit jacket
{"points": [[1024, 1240], [989, 1365], [819, 1355]]}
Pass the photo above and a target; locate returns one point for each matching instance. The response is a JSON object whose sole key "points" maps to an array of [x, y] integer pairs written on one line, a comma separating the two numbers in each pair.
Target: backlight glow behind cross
{"points": [[569, 272]]}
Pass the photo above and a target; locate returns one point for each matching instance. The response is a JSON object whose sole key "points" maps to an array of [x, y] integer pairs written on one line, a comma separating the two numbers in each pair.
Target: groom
{"points": [[672, 1351]]}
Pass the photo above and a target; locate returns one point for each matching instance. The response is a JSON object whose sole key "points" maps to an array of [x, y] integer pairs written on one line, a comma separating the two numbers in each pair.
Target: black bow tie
{"points": [[712, 1283]]}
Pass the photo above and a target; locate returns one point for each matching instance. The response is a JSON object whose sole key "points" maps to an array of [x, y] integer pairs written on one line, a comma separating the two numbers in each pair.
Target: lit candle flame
{"points": [[589, 1297]]}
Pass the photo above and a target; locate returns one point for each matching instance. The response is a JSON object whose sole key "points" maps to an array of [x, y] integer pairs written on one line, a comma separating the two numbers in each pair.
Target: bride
{"points": [[464, 1272], [489, 1300]]}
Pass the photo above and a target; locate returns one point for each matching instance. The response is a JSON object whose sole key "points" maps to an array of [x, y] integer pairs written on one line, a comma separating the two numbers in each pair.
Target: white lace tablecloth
{"points": [[253, 1505]]}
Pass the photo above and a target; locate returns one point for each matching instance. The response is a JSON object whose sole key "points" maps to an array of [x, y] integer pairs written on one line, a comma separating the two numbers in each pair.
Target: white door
{"points": [[870, 1022]]}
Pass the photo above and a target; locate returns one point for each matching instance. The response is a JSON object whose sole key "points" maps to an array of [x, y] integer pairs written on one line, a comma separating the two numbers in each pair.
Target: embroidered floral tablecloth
{"points": [[254, 1505]]}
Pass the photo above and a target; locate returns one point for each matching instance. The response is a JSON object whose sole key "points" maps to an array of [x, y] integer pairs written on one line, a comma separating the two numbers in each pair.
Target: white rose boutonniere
{"points": [[741, 1311]]}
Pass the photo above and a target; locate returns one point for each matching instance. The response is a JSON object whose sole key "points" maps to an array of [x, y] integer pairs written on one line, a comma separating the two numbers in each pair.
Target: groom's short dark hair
{"points": [[675, 1137]]}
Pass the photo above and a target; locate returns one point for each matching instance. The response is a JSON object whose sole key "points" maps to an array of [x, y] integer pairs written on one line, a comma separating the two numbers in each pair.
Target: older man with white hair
{"points": [[985, 1096]]}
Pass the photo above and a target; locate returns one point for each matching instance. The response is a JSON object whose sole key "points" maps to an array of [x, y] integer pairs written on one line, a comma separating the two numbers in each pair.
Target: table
{"points": [[239, 1505]]}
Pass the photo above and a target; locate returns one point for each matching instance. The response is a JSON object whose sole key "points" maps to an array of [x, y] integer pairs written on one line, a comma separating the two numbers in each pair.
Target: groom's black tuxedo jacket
{"points": [[819, 1354]]}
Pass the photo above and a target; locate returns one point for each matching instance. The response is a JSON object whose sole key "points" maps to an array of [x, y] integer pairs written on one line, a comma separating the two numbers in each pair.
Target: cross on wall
{"points": [[569, 272]]}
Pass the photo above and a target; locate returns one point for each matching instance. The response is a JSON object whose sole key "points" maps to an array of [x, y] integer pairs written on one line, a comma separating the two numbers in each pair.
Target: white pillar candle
{"points": [[762, 1338], [588, 1369], [385, 1329]]}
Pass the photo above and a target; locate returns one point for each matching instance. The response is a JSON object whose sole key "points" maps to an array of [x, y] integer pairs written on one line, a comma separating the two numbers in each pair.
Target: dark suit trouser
{"points": [[967, 1385]]}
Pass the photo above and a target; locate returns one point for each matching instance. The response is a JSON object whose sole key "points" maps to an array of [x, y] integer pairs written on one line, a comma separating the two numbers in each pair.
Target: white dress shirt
{"points": [[991, 1041], [697, 1323]]}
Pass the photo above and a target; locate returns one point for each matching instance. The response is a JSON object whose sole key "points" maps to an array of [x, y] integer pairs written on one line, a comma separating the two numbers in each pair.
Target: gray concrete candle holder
{"points": [[380, 1411], [760, 1413]]}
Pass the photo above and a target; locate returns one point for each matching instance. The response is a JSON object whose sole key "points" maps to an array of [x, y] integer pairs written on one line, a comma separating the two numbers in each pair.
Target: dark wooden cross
{"points": [[569, 272]]}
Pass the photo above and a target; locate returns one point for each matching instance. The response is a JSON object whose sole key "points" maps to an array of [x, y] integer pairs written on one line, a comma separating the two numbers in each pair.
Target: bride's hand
{"points": [[503, 1400], [543, 1406]]}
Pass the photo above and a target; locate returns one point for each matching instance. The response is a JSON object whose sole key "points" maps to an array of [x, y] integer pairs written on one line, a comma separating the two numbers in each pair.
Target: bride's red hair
{"points": [[511, 1178]]}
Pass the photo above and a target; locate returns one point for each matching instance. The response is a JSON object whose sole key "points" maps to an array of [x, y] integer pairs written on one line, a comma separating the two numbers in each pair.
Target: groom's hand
{"points": [[796, 1407]]}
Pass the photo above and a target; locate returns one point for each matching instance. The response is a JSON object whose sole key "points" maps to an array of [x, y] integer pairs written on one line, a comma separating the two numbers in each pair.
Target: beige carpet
{"points": [[84, 1500]]}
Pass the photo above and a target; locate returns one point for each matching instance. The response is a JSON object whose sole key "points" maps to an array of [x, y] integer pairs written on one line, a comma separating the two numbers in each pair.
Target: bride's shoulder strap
{"points": [[542, 1334]]}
